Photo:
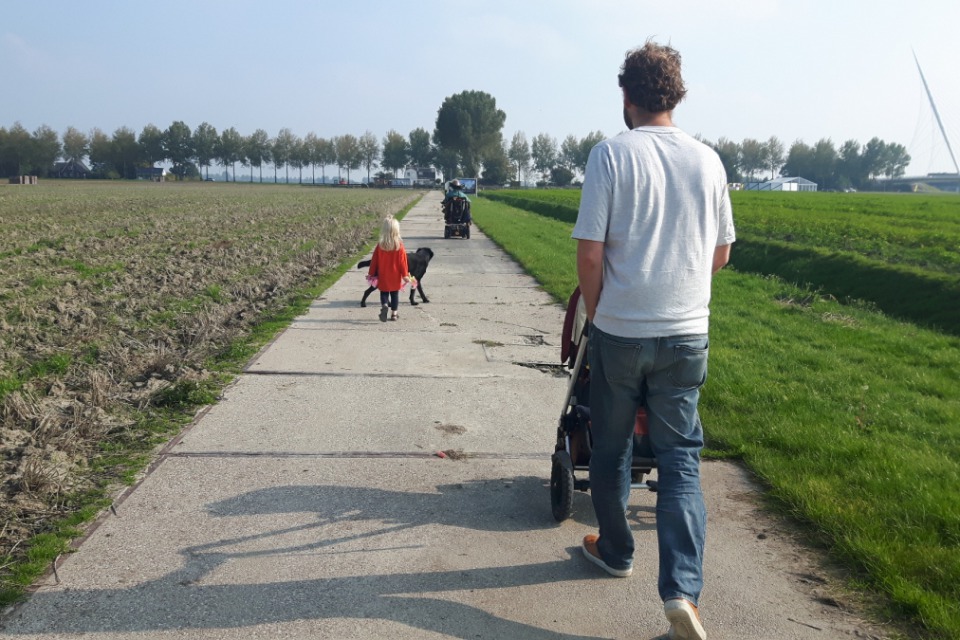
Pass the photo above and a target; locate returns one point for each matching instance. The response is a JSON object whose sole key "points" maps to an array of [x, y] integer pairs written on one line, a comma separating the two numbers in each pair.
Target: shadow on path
{"points": [[183, 599]]}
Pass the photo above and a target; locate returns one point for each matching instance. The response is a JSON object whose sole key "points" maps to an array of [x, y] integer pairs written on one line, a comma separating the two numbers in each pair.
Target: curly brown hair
{"points": [[651, 78]]}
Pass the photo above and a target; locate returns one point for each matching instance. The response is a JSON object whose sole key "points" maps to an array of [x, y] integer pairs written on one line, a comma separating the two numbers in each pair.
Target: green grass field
{"points": [[899, 252], [850, 417]]}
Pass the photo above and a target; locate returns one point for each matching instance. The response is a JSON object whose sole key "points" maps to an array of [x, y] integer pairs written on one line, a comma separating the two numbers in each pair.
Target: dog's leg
{"points": [[366, 294], [413, 290], [422, 294]]}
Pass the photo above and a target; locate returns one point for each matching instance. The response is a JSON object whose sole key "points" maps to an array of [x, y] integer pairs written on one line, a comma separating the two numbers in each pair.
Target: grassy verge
{"points": [[896, 251], [851, 418], [896, 229], [928, 298]]}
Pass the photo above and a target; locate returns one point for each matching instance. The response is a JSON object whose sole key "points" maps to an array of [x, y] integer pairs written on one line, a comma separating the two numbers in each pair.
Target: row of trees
{"points": [[467, 140], [192, 152], [189, 152], [852, 165], [468, 137]]}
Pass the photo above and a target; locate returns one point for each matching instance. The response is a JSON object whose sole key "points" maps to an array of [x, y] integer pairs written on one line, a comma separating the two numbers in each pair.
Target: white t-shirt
{"points": [[657, 198]]}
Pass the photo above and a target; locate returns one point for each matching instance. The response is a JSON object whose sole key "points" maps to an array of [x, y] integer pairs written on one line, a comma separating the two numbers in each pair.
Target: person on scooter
{"points": [[455, 190]]}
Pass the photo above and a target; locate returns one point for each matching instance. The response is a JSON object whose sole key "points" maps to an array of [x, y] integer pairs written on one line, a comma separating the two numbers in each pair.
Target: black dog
{"points": [[417, 262]]}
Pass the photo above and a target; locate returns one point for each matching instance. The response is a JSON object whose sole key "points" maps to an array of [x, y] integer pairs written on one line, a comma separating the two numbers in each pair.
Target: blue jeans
{"points": [[667, 374], [390, 299]]}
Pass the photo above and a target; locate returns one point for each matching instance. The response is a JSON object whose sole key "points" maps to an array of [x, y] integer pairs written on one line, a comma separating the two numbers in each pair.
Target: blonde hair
{"points": [[390, 239]]}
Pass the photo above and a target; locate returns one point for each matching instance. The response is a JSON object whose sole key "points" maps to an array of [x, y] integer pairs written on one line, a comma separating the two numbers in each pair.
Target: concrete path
{"points": [[310, 503]]}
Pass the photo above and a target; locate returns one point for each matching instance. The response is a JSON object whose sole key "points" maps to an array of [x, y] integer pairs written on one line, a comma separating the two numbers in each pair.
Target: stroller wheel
{"points": [[561, 486]]}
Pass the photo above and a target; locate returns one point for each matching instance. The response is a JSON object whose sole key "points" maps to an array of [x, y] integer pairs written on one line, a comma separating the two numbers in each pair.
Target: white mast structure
{"points": [[936, 114]]}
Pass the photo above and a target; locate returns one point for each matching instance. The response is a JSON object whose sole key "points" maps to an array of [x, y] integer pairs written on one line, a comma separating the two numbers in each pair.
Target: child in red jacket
{"points": [[389, 266]]}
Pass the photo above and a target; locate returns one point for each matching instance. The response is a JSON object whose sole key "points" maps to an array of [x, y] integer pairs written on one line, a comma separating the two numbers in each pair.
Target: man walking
{"points": [[654, 225]]}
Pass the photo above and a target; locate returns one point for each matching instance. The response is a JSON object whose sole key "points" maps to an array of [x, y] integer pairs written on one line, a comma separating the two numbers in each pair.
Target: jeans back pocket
{"points": [[689, 370]]}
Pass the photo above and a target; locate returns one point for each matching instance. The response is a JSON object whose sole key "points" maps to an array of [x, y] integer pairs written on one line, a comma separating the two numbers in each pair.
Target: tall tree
{"points": [[396, 152], [101, 153], [873, 157], [448, 161], [729, 152], [519, 154], [281, 152], [335, 156], [850, 165], [469, 123], [897, 160], [126, 152], [752, 158], [773, 151], [369, 151], [205, 143], [178, 147], [326, 155], [151, 144], [422, 153], [311, 150], [243, 157], [544, 154], [7, 164], [570, 152], [800, 161], [348, 153], [299, 156], [19, 149], [825, 164], [76, 144], [229, 149], [258, 151], [587, 144], [45, 150], [496, 167]]}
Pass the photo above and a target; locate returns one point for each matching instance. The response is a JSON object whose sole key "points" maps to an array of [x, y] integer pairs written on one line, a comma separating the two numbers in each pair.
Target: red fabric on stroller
{"points": [[568, 350], [567, 346]]}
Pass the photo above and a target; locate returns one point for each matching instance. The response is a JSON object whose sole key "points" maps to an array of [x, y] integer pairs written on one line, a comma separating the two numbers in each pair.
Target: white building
{"points": [[782, 184], [421, 176]]}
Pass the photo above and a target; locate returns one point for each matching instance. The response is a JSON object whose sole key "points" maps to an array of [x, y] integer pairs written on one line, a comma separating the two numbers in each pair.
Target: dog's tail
{"points": [[362, 264]]}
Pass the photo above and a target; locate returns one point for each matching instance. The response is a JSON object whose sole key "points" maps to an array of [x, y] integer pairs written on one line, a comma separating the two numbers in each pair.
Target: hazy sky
{"points": [[803, 69]]}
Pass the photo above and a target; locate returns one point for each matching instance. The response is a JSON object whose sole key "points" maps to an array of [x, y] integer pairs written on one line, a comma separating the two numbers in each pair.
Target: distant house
{"points": [[156, 174], [70, 169], [421, 176], [782, 184]]}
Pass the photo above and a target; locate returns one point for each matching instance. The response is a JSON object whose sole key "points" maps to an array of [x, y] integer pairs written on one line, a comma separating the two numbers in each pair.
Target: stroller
{"points": [[572, 452], [456, 215]]}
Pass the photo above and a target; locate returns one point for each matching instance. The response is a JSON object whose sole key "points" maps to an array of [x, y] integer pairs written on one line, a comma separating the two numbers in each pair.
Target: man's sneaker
{"points": [[383, 313], [592, 553], [684, 620]]}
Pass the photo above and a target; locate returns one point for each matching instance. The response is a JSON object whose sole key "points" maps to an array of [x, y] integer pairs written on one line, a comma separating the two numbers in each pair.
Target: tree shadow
{"points": [[185, 598], [514, 504]]}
